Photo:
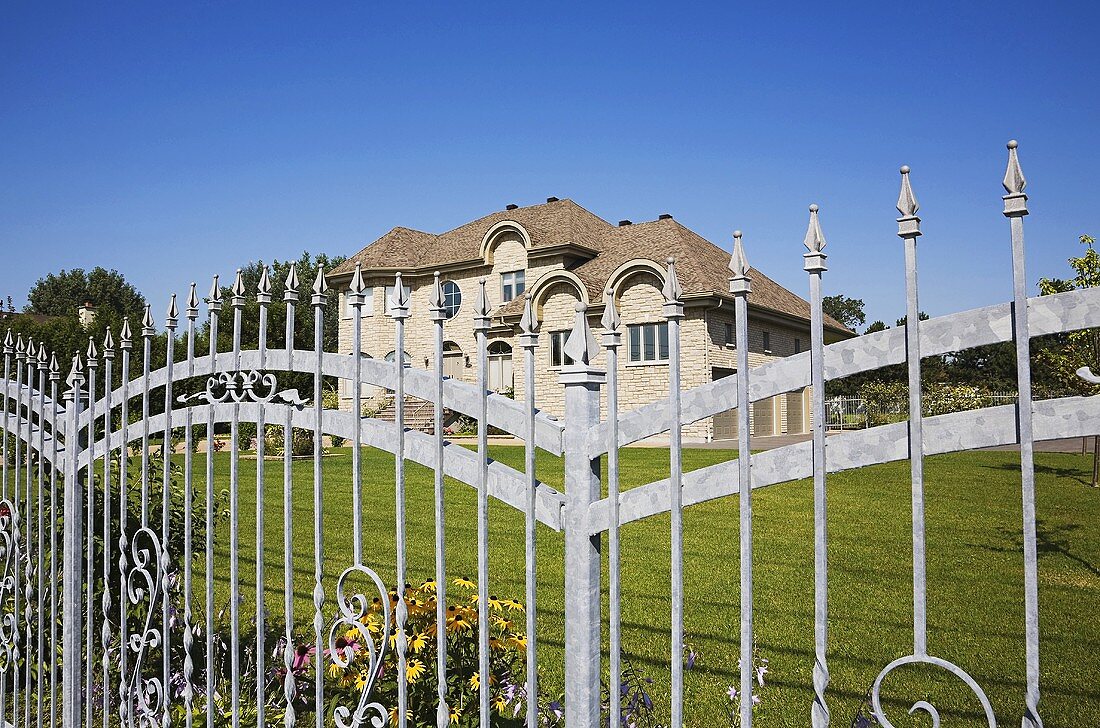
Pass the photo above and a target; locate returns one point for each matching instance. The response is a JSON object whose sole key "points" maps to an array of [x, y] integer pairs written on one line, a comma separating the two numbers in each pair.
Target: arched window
{"points": [[393, 356], [500, 366], [452, 299], [453, 361]]}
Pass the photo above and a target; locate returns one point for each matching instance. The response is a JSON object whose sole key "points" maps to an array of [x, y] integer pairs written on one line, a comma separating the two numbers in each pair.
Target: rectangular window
{"points": [[558, 357], [389, 294], [648, 343], [368, 304], [511, 285], [730, 336], [767, 342], [798, 346]]}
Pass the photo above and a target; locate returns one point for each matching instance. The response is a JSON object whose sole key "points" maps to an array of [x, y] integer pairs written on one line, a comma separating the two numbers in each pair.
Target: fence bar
{"points": [[55, 377], [236, 302], [674, 312], [188, 522], [740, 287], [318, 301], [481, 328], [126, 345], [105, 633], [170, 324], [909, 231], [9, 349], [214, 307], [263, 298], [1015, 210], [399, 310], [612, 340], [438, 315], [356, 296], [529, 340], [72, 614], [17, 530], [290, 687], [582, 551], [28, 586], [41, 569], [815, 265]]}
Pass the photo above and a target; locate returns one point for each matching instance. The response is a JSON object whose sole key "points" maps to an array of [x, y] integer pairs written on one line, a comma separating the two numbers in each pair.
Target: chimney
{"points": [[510, 207], [664, 216], [624, 223], [86, 315], [551, 199]]}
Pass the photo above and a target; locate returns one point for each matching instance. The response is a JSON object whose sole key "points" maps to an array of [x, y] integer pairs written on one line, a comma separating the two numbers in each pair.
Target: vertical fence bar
{"points": [[147, 332], [1015, 210], [28, 586], [482, 313], [263, 298], [674, 313], [41, 538], [909, 231], [17, 532], [213, 308], [740, 287], [399, 310], [236, 302], [72, 614], [125, 344], [9, 349], [318, 301], [105, 633], [438, 315], [55, 377], [170, 324], [188, 522], [290, 687], [92, 364], [582, 381], [612, 340], [355, 296], [529, 340], [814, 264]]}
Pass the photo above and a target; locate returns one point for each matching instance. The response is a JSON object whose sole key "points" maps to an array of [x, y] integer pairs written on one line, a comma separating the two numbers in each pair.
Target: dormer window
{"points": [[511, 285]]}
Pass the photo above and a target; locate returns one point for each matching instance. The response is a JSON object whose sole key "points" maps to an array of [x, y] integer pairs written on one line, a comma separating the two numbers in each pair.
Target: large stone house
{"points": [[557, 254]]}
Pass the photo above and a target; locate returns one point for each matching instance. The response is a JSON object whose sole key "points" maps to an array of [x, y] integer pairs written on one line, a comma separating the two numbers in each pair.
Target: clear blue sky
{"points": [[177, 141]]}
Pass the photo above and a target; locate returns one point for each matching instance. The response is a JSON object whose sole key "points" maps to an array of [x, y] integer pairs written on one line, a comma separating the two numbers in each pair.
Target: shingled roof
{"points": [[701, 265]]}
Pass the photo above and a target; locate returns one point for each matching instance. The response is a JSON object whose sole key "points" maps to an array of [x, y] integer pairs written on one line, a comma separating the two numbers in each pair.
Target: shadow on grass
{"points": [[1070, 473], [1049, 541]]}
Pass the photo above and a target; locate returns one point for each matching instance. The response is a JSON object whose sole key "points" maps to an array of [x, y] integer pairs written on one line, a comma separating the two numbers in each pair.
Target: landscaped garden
{"points": [[975, 591]]}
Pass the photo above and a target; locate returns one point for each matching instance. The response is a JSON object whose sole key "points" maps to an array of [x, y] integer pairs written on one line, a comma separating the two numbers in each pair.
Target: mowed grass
{"points": [[975, 577]]}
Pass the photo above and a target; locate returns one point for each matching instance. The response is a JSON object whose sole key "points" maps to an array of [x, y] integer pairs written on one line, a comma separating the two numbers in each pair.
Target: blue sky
{"points": [[180, 140]]}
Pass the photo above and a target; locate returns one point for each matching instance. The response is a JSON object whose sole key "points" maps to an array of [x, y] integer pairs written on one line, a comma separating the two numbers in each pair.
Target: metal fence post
{"points": [[73, 549], [582, 550]]}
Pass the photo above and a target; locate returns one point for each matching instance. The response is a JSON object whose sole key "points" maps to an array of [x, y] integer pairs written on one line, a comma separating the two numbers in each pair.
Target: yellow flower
{"points": [[418, 641], [502, 623], [414, 669], [393, 715], [465, 583], [428, 586], [475, 681], [458, 624], [513, 604], [519, 641], [352, 634], [500, 703], [456, 714], [361, 680], [335, 670], [496, 604]]}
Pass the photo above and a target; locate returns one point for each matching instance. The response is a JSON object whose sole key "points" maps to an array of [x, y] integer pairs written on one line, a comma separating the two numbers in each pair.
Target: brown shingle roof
{"points": [[700, 264]]}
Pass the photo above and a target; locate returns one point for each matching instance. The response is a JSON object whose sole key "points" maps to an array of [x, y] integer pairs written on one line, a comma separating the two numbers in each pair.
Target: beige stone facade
{"points": [[557, 277]]}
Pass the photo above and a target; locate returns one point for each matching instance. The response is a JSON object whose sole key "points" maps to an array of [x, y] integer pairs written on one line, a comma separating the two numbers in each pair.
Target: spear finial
{"points": [[55, 369], [357, 287], [9, 344], [907, 201], [263, 288], [672, 290], [435, 300], [147, 322], [482, 309], [76, 374], [42, 358], [237, 300], [610, 320], [581, 345], [739, 267], [109, 344], [1014, 184], [29, 351], [20, 346], [93, 353], [291, 284], [214, 298], [193, 302], [815, 239], [320, 286], [173, 313], [528, 324]]}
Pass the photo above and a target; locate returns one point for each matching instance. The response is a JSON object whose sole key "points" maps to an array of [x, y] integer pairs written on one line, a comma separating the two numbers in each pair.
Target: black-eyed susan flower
{"points": [[414, 669], [465, 583], [418, 641]]}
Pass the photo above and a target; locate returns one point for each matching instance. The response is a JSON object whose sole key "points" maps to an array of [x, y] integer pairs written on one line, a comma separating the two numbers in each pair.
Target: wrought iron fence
{"points": [[100, 608]]}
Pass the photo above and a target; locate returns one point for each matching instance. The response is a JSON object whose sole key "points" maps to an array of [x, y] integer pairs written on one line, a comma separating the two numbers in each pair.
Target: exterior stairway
{"points": [[419, 413]]}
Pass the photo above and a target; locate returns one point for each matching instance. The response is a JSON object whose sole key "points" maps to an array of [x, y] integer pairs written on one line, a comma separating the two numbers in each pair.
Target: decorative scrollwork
{"points": [[9, 623], [143, 585], [354, 611], [923, 705], [244, 387]]}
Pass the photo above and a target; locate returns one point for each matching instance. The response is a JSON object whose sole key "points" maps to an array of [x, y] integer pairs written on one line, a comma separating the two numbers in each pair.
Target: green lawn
{"points": [[974, 577]]}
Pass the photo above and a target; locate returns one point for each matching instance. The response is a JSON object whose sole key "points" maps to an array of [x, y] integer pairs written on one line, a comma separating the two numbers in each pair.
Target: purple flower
{"points": [[732, 692]]}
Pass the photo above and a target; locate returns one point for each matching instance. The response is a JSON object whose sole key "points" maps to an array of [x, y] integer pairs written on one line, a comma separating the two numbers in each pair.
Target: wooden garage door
{"points": [[796, 421], [763, 417], [725, 423]]}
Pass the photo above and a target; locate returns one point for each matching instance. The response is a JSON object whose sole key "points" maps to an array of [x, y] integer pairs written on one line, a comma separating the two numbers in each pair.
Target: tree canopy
{"points": [[60, 294], [848, 311]]}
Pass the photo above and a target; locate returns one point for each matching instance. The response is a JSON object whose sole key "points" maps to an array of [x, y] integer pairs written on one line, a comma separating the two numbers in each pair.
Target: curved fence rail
{"points": [[123, 600]]}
